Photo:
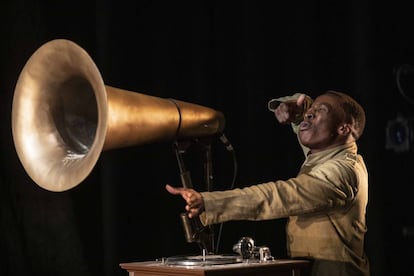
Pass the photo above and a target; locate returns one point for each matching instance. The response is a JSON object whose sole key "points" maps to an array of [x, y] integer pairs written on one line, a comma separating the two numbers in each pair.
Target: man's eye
{"points": [[321, 109]]}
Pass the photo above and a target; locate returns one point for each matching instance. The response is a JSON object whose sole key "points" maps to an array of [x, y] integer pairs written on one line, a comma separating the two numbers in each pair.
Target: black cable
{"points": [[229, 148]]}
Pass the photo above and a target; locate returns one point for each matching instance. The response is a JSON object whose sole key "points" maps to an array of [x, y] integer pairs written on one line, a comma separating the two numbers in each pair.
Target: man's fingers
{"points": [[190, 196], [192, 212], [187, 195], [300, 100], [172, 190]]}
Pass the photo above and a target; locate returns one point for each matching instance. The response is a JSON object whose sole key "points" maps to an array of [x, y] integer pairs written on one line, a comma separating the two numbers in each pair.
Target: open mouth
{"points": [[304, 125]]}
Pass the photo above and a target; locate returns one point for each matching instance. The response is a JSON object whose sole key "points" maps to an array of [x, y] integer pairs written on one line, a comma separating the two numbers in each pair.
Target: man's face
{"points": [[318, 130]]}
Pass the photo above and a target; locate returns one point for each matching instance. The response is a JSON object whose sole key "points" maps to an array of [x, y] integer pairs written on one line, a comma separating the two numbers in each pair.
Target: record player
{"points": [[248, 260], [246, 251]]}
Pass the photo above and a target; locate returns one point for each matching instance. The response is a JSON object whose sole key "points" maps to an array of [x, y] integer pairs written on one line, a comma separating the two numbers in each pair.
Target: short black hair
{"points": [[354, 112]]}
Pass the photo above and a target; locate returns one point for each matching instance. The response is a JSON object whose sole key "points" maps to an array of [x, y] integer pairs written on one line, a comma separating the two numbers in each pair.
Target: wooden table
{"points": [[274, 268]]}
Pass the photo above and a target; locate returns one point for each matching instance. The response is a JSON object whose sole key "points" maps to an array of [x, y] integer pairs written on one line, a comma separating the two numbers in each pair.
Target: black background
{"points": [[232, 56]]}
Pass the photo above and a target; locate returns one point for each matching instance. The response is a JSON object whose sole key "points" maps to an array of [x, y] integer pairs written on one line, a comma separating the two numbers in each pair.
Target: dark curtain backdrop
{"points": [[232, 56]]}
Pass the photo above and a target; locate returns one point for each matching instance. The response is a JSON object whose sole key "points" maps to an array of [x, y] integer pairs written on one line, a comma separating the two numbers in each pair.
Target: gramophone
{"points": [[64, 116]]}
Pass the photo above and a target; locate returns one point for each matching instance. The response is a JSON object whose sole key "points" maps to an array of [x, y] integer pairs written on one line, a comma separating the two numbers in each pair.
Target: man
{"points": [[325, 203]]}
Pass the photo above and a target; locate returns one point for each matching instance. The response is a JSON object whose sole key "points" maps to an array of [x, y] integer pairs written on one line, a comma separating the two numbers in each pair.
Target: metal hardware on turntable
{"points": [[247, 252]]}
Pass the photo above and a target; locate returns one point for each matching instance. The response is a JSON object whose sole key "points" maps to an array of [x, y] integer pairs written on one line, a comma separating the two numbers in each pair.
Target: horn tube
{"points": [[64, 116]]}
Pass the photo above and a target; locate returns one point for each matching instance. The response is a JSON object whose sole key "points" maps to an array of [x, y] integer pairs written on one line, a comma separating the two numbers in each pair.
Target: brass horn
{"points": [[64, 116]]}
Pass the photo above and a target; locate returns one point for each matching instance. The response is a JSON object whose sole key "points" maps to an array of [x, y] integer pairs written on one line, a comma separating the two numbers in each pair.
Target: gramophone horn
{"points": [[64, 116]]}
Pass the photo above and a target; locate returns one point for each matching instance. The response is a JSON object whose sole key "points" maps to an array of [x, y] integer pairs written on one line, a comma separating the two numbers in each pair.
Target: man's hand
{"points": [[287, 112], [193, 199]]}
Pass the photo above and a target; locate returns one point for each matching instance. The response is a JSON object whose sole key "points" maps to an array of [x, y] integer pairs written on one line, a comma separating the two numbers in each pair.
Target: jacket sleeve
{"points": [[322, 190]]}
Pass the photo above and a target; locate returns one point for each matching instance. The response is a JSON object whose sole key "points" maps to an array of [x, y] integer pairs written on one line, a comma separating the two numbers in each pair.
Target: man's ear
{"points": [[344, 130]]}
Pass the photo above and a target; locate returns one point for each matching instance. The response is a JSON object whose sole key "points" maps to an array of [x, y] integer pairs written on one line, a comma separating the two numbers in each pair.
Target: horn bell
{"points": [[64, 116]]}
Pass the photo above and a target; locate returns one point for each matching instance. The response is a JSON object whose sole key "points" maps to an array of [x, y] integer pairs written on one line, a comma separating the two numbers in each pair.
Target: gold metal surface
{"points": [[64, 116]]}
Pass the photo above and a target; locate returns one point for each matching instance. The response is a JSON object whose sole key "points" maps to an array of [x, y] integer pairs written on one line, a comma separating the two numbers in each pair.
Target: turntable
{"points": [[247, 252], [201, 260], [250, 260]]}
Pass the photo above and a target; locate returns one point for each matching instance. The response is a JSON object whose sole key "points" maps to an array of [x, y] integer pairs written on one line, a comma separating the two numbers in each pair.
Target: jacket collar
{"points": [[323, 156]]}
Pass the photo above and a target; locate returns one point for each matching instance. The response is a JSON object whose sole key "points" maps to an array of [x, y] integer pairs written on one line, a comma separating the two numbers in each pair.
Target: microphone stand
{"points": [[193, 228]]}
